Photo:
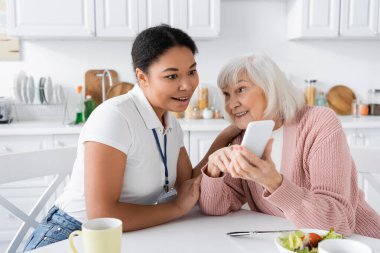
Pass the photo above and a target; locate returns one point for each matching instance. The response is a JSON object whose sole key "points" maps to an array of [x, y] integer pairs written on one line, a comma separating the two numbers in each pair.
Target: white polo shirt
{"points": [[125, 123]]}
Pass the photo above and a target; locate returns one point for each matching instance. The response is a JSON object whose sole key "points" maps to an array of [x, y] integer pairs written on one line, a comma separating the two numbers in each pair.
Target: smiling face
{"points": [[244, 101], [170, 80]]}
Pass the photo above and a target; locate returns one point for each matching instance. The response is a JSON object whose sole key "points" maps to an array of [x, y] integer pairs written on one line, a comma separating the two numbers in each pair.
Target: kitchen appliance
{"points": [[5, 110], [374, 101]]}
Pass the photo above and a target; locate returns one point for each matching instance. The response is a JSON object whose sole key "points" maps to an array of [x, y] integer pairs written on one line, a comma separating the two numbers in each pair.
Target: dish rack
{"points": [[37, 111]]}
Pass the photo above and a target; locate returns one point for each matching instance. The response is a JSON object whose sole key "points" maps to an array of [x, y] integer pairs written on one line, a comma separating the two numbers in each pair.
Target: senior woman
{"points": [[306, 174]]}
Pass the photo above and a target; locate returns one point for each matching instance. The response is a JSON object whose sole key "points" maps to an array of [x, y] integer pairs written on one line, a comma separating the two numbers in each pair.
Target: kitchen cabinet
{"points": [[19, 143], [110, 18], [200, 142], [359, 18], [308, 19], [51, 18], [65, 140]]}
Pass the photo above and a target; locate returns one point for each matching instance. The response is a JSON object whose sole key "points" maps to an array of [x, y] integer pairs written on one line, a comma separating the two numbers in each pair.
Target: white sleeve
{"points": [[108, 126]]}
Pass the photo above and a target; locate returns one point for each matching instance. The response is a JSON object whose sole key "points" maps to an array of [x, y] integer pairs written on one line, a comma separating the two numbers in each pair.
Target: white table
{"points": [[199, 233]]}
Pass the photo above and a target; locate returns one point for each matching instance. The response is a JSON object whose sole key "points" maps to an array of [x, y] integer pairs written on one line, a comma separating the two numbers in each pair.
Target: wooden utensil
{"points": [[93, 83], [340, 99], [119, 89]]}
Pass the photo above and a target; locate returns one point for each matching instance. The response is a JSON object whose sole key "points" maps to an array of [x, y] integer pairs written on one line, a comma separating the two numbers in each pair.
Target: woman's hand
{"points": [[188, 195], [218, 162], [248, 166]]}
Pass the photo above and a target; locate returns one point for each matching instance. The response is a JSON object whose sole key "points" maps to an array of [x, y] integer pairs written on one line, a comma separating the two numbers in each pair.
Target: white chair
{"points": [[367, 161], [27, 165]]}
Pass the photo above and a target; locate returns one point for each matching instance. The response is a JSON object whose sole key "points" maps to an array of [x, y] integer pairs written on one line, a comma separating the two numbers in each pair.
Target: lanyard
{"points": [[163, 158]]}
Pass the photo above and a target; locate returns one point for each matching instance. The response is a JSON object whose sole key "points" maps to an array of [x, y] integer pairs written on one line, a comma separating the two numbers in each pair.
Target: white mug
{"points": [[99, 236]]}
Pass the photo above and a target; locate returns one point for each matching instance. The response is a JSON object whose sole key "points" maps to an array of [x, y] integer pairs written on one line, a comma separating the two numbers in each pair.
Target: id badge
{"points": [[166, 197]]}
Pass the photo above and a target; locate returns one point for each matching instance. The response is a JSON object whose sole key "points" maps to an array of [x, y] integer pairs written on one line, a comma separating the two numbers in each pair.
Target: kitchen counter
{"points": [[361, 122], [56, 127]]}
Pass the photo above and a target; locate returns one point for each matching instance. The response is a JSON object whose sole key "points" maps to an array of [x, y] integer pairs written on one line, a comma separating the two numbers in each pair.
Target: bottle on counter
{"points": [[355, 108], [321, 99], [310, 91], [80, 106], [89, 106], [202, 98]]}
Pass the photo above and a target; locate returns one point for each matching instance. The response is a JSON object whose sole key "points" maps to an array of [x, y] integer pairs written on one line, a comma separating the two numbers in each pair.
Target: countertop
{"points": [[56, 127]]}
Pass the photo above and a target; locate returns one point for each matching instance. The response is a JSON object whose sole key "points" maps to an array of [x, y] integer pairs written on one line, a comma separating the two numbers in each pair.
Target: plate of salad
{"points": [[304, 240]]}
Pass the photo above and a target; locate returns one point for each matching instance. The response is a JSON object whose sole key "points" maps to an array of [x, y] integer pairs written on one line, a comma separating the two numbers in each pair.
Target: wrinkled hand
{"points": [[246, 165], [188, 194], [219, 161]]}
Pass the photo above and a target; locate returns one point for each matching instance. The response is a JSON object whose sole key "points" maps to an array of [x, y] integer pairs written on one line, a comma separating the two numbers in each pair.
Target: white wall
{"points": [[247, 26]]}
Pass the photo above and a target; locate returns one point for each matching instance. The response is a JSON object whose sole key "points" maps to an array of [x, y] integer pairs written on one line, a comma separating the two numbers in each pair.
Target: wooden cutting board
{"points": [[93, 83], [340, 99], [119, 89]]}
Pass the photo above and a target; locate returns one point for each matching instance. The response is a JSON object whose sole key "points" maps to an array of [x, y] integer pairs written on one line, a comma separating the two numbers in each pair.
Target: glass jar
{"points": [[374, 101], [321, 99], [310, 91], [355, 108], [196, 113], [202, 98]]}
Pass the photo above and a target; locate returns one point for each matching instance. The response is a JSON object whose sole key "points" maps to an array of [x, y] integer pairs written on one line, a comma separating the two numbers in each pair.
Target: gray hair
{"points": [[283, 98]]}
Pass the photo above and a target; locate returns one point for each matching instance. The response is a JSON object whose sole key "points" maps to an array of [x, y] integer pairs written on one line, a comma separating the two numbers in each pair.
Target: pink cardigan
{"points": [[319, 188]]}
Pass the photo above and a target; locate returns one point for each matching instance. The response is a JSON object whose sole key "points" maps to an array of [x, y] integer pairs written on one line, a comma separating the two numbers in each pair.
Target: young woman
{"points": [[306, 173], [130, 151]]}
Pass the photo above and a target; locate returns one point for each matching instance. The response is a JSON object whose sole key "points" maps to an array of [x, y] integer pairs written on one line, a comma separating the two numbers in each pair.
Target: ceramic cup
{"points": [[343, 245], [99, 236]]}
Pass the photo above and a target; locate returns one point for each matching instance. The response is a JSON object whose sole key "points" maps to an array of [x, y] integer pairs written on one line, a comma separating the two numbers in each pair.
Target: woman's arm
{"points": [[332, 198], [104, 173], [221, 195]]}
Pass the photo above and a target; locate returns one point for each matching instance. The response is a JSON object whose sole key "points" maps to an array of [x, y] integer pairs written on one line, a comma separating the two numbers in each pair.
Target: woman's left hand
{"points": [[246, 165]]}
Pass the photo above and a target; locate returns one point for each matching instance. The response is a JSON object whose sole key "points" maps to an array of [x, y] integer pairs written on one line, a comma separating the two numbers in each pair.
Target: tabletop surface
{"points": [[196, 232]]}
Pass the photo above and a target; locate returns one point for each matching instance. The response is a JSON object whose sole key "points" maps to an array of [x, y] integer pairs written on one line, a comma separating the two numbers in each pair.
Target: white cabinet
{"points": [[110, 18], [363, 136], [200, 18], [312, 18], [117, 18], [65, 140], [200, 142], [51, 18], [359, 18], [19, 143], [307, 19]]}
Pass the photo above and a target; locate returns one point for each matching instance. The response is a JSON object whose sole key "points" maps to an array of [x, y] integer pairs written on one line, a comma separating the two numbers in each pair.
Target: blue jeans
{"points": [[55, 227]]}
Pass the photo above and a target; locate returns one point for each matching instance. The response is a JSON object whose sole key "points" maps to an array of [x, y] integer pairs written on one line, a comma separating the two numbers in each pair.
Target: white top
{"points": [[278, 138], [125, 123]]}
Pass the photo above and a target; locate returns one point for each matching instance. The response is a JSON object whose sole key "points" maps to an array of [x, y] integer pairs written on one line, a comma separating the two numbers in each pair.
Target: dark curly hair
{"points": [[151, 43]]}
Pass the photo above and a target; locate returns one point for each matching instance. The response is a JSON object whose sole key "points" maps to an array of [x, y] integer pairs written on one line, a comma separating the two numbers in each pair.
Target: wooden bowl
{"points": [[118, 89], [340, 99]]}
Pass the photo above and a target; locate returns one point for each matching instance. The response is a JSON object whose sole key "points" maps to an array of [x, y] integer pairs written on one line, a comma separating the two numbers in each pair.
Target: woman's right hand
{"points": [[218, 162], [188, 194]]}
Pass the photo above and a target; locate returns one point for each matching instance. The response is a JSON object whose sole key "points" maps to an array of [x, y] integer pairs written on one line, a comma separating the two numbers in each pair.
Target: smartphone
{"points": [[257, 135]]}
